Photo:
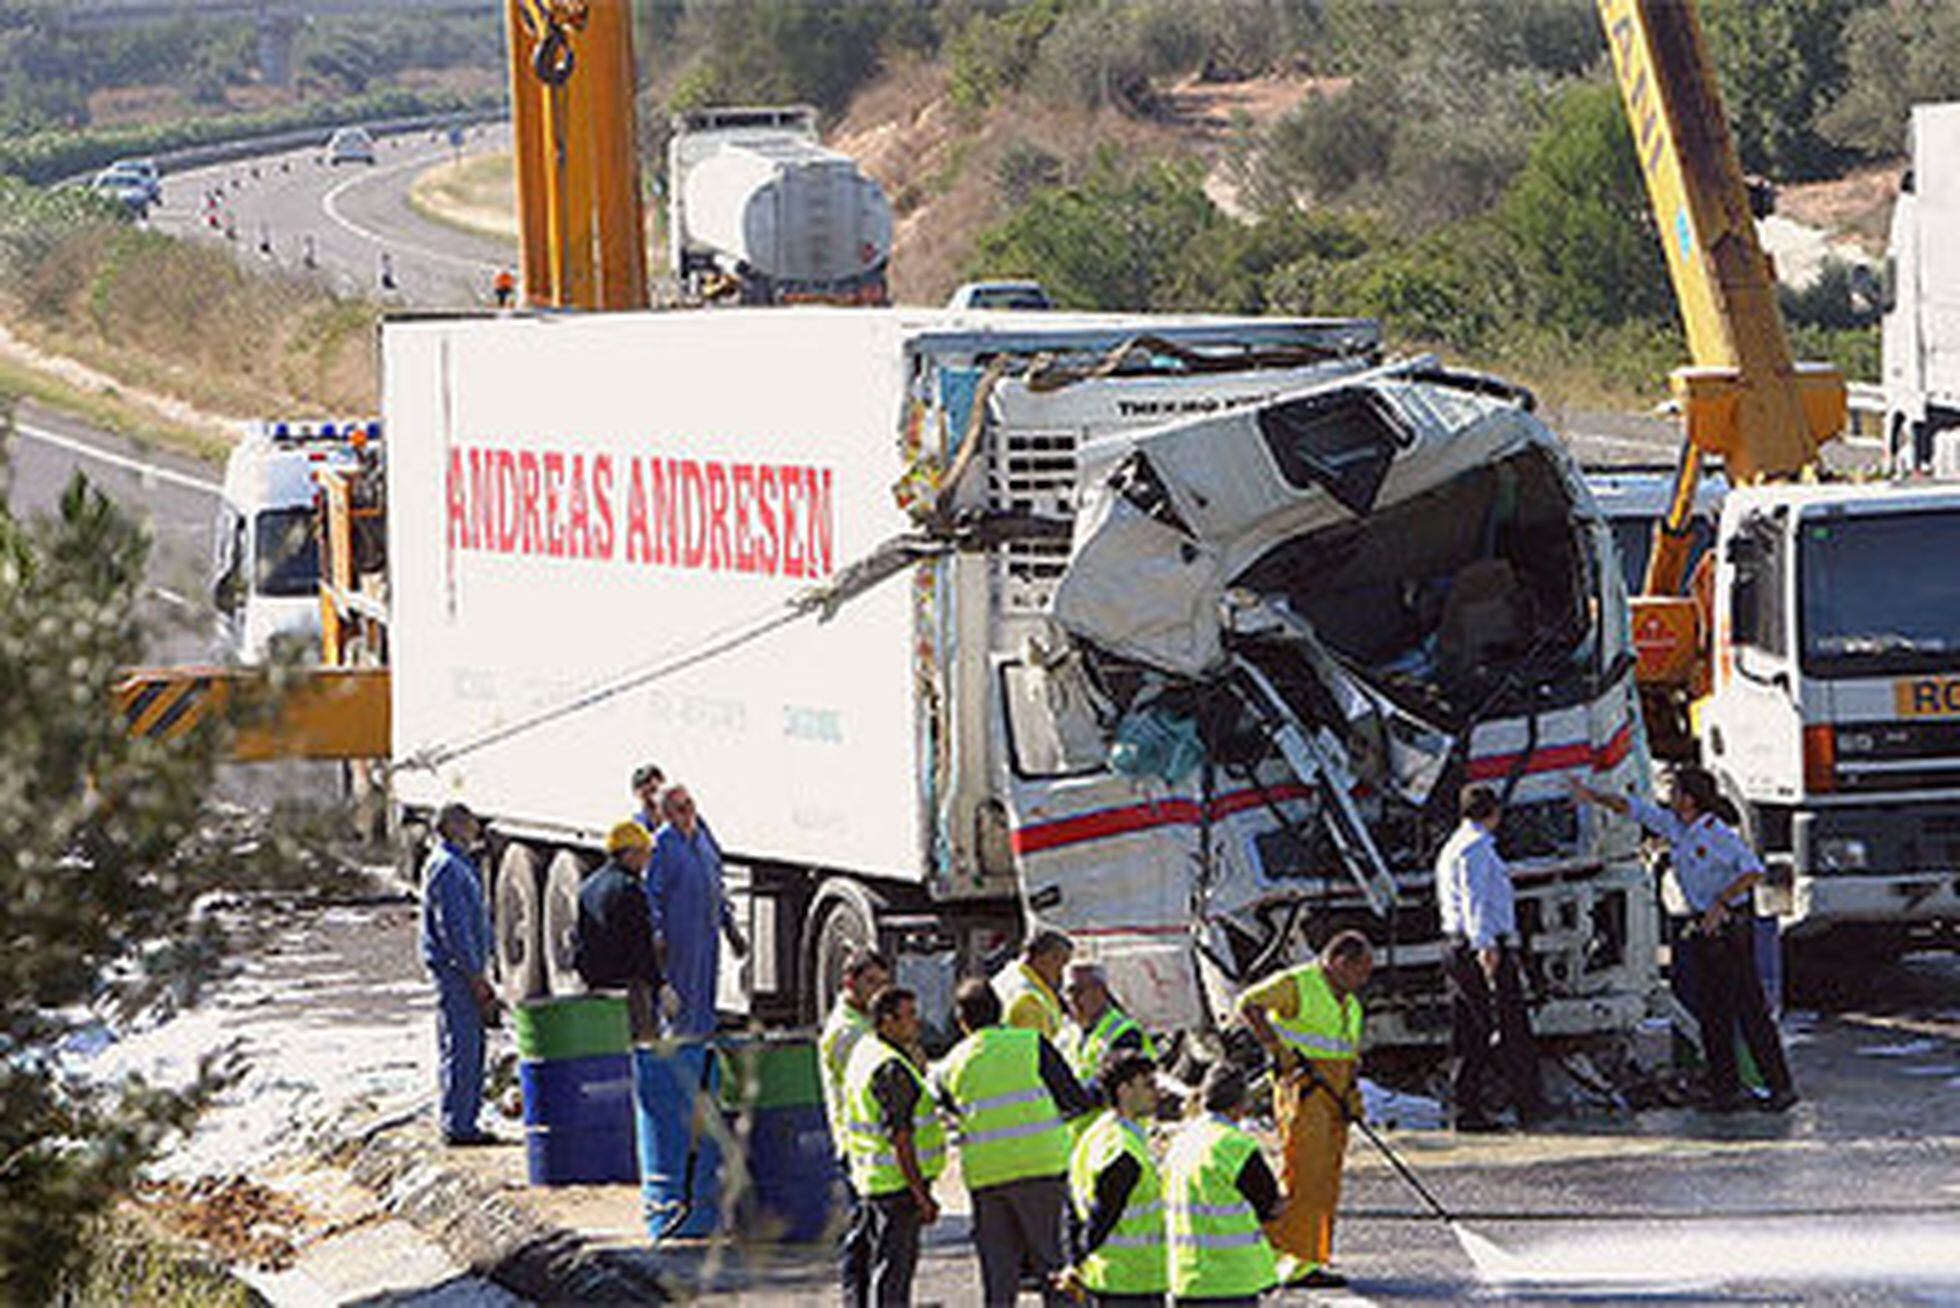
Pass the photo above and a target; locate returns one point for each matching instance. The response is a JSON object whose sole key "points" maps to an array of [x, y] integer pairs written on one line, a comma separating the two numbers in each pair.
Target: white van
{"points": [[266, 549]]}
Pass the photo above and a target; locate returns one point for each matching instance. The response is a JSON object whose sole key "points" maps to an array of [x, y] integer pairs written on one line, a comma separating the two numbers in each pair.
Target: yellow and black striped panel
{"points": [[167, 705]]}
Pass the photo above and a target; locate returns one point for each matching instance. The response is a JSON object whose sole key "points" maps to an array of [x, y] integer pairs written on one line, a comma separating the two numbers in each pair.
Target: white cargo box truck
{"points": [[1921, 330], [1210, 619]]}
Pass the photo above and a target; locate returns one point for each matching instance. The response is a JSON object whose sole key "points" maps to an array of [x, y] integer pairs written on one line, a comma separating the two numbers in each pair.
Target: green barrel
{"points": [[795, 1187], [581, 1026]]}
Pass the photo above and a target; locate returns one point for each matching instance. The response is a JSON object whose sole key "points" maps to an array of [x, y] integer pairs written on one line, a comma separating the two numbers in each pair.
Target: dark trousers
{"points": [[854, 1250], [459, 1054], [888, 1227], [1477, 1011], [1018, 1227], [1729, 995]]}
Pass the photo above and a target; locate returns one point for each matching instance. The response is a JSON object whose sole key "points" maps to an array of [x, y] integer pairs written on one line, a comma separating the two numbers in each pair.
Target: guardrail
{"points": [[199, 156]]}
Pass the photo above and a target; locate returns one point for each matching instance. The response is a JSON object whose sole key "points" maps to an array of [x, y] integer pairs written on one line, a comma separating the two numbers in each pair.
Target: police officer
{"points": [[866, 973], [1477, 905], [1309, 1021], [1218, 1193], [1717, 873], [454, 937], [1118, 1194], [1010, 1091], [897, 1149], [1030, 988]]}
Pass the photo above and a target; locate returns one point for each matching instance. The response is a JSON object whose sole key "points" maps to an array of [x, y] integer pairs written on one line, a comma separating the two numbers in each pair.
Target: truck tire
{"points": [[561, 885], [843, 917], [517, 925]]}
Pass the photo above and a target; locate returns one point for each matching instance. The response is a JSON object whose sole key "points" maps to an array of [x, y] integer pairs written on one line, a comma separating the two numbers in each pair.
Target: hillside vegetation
{"points": [[1462, 171]]}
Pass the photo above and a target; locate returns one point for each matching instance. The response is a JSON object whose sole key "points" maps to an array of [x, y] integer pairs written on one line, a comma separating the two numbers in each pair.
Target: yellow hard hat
{"points": [[627, 835]]}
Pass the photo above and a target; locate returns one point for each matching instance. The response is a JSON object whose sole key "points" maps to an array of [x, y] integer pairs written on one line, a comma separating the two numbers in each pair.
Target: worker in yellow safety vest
{"points": [[1220, 1198], [1010, 1090], [1309, 1020], [1030, 988], [1097, 1024], [897, 1149], [866, 972], [1118, 1193]]}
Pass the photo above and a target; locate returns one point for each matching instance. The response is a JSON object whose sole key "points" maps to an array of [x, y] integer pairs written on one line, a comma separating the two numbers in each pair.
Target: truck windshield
{"points": [[288, 554], [1865, 612]]}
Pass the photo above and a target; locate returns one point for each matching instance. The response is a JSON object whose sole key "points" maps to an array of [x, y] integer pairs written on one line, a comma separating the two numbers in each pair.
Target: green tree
{"points": [[1579, 221], [1121, 238], [1896, 56], [1780, 63], [107, 842]]}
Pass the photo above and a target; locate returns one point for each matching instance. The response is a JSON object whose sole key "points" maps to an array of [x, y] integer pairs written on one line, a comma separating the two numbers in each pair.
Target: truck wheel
{"points": [[561, 884], [516, 925], [842, 918]]}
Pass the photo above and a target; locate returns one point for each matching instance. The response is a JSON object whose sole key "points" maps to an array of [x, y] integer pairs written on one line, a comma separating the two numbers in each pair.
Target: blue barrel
{"points": [[674, 1087], [796, 1189], [577, 1078]]}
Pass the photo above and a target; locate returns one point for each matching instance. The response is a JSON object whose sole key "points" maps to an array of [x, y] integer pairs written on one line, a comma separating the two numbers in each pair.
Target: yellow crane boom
{"points": [[578, 171], [1744, 399]]}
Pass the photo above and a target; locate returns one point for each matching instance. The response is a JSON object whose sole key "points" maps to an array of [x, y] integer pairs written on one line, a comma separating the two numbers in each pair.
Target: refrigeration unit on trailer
{"points": [[1193, 627]]}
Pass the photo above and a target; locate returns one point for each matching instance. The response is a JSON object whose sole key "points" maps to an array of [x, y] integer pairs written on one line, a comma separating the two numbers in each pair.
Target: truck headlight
{"points": [[1842, 854]]}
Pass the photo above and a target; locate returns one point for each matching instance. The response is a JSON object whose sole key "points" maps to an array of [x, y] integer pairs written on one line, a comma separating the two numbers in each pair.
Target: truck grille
{"points": [[1033, 472]]}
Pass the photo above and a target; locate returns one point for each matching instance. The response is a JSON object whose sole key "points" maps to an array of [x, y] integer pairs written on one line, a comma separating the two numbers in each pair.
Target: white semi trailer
{"points": [[757, 204], [1191, 630], [1921, 331]]}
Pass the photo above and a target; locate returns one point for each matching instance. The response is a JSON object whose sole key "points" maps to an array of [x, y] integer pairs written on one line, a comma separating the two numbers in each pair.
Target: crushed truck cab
{"points": [[1289, 624]]}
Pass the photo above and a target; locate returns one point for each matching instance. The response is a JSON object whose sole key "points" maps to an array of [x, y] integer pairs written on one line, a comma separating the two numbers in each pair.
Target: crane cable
{"points": [[821, 602]]}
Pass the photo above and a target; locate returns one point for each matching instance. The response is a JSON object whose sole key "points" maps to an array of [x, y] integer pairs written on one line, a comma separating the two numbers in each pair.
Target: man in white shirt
{"points": [[1478, 914]]}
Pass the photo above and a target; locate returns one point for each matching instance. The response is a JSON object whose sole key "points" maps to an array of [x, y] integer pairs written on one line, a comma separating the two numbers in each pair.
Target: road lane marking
{"points": [[330, 203], [147, 471]]}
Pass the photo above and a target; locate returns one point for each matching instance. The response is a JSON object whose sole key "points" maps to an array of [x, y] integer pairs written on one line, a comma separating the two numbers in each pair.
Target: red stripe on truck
{"points": [[704, 515]]}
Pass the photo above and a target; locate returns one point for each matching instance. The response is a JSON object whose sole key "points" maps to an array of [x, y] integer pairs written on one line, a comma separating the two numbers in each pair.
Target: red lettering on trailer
{"points": [[771, 520], [602, 525], [742, 482], [554, 498], [665, 510], [820, 520], [529, 538], [459, 522], [792, 529], [507, 490], [720, 556], [578, 513], [765, 512], [694, 513], [638, 548]]}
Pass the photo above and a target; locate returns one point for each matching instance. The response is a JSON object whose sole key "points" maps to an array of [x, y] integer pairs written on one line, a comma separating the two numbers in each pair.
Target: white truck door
{"points": [[1114, 859]]}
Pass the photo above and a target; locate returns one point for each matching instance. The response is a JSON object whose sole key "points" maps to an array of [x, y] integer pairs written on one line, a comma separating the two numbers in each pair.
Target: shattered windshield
{"points": [[1864, 614], [288, 552], [1447, 597]]}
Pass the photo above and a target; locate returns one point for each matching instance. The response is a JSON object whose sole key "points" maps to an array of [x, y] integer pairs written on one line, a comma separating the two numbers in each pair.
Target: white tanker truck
{"points": [[757, 209]]}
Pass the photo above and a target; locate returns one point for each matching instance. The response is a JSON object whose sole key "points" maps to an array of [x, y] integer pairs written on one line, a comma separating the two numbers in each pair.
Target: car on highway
{"points": [[134, 182], [350, 145], [1000, 295]]}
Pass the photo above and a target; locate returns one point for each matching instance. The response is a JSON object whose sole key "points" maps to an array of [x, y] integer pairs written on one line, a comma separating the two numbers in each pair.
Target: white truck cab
{"points": [[1834, 719], [265, 547]]}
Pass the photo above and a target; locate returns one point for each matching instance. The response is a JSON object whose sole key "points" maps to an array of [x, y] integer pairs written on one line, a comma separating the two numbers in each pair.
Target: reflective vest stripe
{"points": [[1020, 1131], [1237, 1240], [1307, 1040], [1008, 1100]]}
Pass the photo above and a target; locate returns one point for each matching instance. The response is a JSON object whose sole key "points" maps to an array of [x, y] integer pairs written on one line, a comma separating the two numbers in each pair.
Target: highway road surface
{"points": [[343, 224]]}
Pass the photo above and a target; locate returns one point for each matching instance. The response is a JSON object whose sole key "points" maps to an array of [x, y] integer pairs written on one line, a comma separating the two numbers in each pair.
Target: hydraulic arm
{"points": [[578, 173]]}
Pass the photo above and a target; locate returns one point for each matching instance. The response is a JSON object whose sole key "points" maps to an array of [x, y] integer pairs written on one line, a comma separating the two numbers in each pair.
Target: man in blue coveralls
{"points": [[455, 943], [689, 908]]}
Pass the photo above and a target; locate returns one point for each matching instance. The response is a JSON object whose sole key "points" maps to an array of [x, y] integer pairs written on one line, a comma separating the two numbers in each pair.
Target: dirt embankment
{"points": [[952, 172]]}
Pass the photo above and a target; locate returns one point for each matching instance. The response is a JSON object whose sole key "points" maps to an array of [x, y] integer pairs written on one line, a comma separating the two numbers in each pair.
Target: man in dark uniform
{"points": [[612, 947]]}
